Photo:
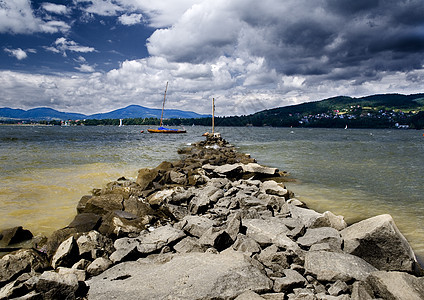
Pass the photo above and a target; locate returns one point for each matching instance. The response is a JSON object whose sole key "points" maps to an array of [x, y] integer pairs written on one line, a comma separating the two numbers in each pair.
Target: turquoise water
{"points": [[44, 171]]}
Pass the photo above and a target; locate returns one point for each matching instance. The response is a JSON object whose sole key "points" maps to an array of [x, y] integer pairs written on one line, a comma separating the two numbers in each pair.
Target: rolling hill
{"points": [[132, 111]]}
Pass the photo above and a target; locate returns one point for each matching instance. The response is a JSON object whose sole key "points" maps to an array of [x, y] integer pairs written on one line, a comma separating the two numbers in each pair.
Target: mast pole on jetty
{"points": [[213, 116], [163, 105]]}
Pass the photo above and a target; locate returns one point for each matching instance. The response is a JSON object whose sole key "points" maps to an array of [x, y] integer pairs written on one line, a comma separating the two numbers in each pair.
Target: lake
{"points": [[357, 173]]}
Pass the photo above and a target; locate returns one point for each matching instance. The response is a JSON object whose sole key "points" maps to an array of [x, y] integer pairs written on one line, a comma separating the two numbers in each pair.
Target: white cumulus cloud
{"points": [[18, 53]]}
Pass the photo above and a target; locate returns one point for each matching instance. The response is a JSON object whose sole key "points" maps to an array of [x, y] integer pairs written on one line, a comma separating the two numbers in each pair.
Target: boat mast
{"points": [[213, 116], [163, 105]]}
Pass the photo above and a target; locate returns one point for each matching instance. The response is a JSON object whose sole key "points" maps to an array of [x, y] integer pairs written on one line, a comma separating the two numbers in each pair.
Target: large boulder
{"points": [[103, 204], [146, 177], [378, 241], [15, 235], [332, 266], [66, 254], [14, 264], [321, 235], [57, 286], [186, 276], [396, 285]]}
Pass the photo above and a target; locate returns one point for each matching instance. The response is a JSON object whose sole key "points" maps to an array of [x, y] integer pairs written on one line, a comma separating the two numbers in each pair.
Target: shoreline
{"points": [[219, 206]]}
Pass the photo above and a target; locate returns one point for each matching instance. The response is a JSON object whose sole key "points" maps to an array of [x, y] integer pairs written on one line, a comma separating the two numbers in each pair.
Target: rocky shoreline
{"points": [[212, 225]]}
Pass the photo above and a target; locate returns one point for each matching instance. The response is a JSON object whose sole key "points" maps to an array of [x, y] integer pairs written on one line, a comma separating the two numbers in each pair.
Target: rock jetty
{"points": [[212, 225]]}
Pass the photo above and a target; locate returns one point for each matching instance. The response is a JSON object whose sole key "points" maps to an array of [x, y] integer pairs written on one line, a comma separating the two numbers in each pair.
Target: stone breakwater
{"points": [[213, 225]]}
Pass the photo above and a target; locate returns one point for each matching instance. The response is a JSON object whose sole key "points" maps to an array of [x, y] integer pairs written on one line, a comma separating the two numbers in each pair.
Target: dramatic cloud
{"points": [[249, 55]]}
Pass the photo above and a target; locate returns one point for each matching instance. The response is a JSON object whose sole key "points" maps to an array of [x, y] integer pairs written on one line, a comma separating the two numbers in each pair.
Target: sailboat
{"points": [[162, 129]]}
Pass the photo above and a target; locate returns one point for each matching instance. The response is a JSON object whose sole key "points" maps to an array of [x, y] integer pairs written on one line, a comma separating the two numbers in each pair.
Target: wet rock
{"points": [[146, 177], [85, 222], [186, 276], [379, 242], [26, 260], [331, 266], [15, 235], [104, 204]]}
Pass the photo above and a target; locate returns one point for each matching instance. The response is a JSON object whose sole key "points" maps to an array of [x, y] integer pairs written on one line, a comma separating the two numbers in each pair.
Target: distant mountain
{"points": [[132, 111], [41, 113], [136, 111]]}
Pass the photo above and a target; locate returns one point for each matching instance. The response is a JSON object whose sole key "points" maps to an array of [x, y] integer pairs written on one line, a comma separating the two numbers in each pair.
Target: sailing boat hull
{"points": [[166, 131]]}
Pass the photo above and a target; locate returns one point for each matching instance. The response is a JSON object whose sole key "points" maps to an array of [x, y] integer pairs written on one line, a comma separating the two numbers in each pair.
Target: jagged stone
{"points": [[290, 280], [321, 235], [249, 295], [15, 288], [93, 241], [57, 286], [274, 259], [81, 275], [378, 241], [328, 219], [396, 285], [177, 177], [66, 254], [246, 244], [269, 231], [218, 239], [273, 188], [85, 222], [146, 177], [332, 266], [196, 225], [338, 288], [159, 238], [187, 245], [361, 291]]}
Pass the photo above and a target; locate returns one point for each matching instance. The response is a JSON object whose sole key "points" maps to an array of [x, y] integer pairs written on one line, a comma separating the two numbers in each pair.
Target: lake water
{"points": [[44, 171]]}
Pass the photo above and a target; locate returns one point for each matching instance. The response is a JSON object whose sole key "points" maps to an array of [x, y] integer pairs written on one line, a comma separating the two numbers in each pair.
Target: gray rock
{"points": [[234, 225], [328, 219], [93, 240], [160, 237], [337, 288], [273, 296], [397, 285], [229, 170], [378, 241], [15, 288], [81, 275], [57, 286], [246, 244], [125, 248], [269, 231], [218, 239], [249, 295], [274, 259], [85, 222], [187, 245], [66, 254], [82, 264], [273, 188], [103, 204], [290, 280], [14, 264], [196, 225], [187, 276], [332, 266], [259, 169], [362, 291], [304, 215], [177, 177], [321, 235], [98, 266]]}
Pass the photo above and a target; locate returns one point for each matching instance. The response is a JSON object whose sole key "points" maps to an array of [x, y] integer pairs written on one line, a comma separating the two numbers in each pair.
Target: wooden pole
{"points": [[213, 116], [163, 105]]}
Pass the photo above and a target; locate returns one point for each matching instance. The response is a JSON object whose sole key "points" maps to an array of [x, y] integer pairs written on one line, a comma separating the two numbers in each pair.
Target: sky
{"points": [[93, 56]]}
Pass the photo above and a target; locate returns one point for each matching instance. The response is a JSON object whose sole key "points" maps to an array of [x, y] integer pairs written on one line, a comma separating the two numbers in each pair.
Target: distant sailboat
{"points": [[162, 129]]}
